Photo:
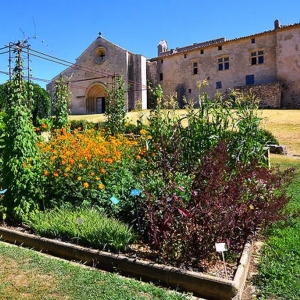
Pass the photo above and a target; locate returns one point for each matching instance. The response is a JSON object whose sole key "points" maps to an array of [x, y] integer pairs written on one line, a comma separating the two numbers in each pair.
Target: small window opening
{"points": [[218, 84], [195, 68]]}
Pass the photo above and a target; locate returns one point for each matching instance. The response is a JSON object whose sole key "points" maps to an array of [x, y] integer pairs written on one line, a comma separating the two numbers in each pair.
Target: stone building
{"points": [[267, 62], [94, 72]]}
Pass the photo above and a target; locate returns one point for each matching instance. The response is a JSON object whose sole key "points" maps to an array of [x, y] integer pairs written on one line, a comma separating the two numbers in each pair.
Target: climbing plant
{"points": [[115, 107], [21, 160], [60, 104]]}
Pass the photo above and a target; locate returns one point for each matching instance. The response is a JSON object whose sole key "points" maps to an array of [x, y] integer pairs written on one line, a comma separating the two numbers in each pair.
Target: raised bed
{"points": [[201, 285]]}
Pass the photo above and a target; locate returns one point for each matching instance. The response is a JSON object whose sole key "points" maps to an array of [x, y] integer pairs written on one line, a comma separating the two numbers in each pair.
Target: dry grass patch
{"points": [[18, 280]]}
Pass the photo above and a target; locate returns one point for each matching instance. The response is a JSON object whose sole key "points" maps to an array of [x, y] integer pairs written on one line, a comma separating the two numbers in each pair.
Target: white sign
{"points": [[221, 247]]}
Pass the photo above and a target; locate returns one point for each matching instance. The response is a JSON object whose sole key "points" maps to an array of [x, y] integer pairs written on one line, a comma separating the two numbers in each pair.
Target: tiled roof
{"points": [[215, 42]]}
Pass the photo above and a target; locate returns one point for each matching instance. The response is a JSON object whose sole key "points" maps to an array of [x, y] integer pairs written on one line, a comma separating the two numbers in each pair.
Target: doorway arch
{"points": [[95, 99]]}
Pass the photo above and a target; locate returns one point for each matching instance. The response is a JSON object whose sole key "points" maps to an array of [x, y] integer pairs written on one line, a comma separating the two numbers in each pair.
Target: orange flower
{"points": [[109, 160], [55, 174], [79, 178], [101, 186], [102, 170], [46, 172], [80, 166], [92, 173], [97, 178], [66, 174], [85, 185]]}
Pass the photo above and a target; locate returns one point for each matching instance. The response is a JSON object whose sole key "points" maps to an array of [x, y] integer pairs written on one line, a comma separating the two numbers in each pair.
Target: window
{"points": [[195, 68], [253, 41], [201, 51], [249, 79], [185, 55], [161, 77], [219, 48], [218, 84], [190, 90], [161, 61], [223, 63], [99, 55], [257, 57]]}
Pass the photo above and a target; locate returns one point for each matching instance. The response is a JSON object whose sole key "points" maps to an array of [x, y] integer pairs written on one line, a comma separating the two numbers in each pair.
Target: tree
{"points": [[40, 100]]}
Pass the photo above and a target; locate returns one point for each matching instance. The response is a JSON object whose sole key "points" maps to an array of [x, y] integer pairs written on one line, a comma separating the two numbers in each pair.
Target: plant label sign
{"points": [[221, 247]]}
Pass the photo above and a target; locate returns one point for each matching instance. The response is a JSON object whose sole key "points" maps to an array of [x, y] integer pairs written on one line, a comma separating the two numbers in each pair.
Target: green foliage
{"points": [[60, 103], [211, 122], [85, 226], [115, 107], [2, 144], [21, 158], [267, 138], [279, 266], [4, 95], [40, 100], [41, 104], [84, 125]]}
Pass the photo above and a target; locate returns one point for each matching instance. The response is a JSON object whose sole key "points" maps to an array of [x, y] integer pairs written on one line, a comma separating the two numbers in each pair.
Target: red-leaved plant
{"points": [[228, 203]]}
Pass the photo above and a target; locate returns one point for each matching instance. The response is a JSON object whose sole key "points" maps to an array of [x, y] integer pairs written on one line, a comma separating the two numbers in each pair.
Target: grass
{"points": [[279, 268], [26, 274]]}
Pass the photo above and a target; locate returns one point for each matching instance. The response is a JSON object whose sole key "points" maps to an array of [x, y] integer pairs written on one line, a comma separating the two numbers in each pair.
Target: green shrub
{"points": [[266, 137], [85, 226], [83, 125]]}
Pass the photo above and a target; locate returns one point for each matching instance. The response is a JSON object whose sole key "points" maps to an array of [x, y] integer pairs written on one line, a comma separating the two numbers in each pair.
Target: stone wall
{"points": [[269, 95]]}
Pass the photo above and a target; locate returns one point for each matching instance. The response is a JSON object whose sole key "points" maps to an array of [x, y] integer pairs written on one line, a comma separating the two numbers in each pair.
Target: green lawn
{"points": [[279, 269], [26, 274]]}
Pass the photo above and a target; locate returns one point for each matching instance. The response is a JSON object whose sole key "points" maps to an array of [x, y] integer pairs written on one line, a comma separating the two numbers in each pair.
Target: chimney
{"points": [[277, 24]]}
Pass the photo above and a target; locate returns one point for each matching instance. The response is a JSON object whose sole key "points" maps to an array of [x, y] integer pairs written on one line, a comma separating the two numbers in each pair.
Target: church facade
{"points": [[268, 63], [94, 72]]}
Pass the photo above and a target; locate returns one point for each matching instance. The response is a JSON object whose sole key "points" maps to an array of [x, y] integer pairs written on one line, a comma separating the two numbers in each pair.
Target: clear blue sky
{"points": [[65, 28]]}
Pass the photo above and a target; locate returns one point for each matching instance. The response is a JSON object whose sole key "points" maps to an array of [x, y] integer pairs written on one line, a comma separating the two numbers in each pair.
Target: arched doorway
{"points": [[95, 99]]}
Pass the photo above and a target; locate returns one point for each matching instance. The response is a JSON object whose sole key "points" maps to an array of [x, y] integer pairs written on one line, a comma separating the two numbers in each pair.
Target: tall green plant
{"points": [[115, 107], [21, 159], [60, 104]]}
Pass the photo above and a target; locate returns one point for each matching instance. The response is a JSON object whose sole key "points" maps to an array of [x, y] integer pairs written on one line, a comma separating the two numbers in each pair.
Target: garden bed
{"points": [[199, 284]]}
